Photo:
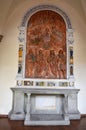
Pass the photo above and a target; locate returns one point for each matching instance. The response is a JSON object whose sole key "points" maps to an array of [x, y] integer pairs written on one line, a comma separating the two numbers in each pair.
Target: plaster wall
{"points": [[9, 50]]}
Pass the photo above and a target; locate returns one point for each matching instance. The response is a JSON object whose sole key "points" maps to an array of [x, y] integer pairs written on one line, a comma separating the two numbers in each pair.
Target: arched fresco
{"points": [[46, 46]]}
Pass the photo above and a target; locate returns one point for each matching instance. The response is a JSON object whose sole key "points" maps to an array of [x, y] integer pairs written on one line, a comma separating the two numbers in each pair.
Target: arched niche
{"points": [[45, 48]]}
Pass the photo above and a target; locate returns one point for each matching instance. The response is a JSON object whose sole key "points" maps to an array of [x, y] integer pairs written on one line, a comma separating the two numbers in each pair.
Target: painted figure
{"points": [[40, 67], [52, 61], [61, 64], [30, 64]]}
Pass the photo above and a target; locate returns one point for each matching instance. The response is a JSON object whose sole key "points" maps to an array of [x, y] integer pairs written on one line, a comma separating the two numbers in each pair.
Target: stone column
{"points": [[27, 117], [66, 116]]}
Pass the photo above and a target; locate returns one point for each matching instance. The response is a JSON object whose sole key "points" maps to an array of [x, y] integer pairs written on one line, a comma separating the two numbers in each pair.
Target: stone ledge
{"points": [[50, 123]]}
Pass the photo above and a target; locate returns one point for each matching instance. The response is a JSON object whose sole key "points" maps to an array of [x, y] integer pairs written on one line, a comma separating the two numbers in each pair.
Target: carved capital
{"points": [[70, 36], [21, 34]]}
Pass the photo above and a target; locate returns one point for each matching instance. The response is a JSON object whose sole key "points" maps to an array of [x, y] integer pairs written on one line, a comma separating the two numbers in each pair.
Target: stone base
{"points": [[74, 116], [24, 106], [48, 119], [16, 116], [51, 123]]}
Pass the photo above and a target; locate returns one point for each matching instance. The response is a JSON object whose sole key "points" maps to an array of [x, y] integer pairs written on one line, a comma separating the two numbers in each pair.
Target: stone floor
{"points": [[6, 124]]}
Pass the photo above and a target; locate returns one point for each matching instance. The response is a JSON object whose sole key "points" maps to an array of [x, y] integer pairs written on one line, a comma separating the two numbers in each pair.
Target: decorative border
{"points": [[42, 83]]}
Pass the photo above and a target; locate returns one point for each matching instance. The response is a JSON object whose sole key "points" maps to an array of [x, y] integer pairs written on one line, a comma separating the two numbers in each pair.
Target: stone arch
{"points": [[46, 7]]}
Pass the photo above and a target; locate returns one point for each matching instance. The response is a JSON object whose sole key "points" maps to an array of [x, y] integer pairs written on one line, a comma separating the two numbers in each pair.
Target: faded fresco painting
{"points": [[46, 46]]}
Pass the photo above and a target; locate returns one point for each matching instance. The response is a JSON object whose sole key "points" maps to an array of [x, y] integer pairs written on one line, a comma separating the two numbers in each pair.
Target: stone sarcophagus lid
{"points": [[45, 92]]}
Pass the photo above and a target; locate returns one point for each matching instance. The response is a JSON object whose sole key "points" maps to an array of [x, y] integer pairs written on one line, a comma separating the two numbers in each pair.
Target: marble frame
{"points": [[22, 42]]}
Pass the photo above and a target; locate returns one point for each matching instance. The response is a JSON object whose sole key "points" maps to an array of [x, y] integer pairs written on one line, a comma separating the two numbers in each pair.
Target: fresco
{"points": [[46, 46]]}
